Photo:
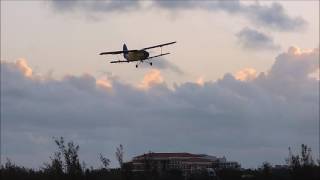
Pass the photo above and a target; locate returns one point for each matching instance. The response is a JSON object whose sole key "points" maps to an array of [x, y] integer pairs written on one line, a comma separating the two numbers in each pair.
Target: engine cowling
{"points": [[146, 54]]}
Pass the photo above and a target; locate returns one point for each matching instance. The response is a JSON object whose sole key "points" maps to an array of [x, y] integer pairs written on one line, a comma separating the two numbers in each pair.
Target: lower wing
{"points": [[157, 56], [125, 61]]}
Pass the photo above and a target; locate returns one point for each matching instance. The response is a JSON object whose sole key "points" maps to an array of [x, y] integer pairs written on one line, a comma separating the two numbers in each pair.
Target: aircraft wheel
{"points": [[137, 66], [151, 64]]}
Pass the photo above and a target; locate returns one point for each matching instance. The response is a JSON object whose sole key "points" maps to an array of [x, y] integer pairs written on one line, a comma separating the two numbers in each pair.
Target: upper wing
{"points": [[160, 45], [116, 52]]}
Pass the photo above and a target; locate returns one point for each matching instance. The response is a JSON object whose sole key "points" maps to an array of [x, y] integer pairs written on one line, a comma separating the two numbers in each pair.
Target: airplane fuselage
{"points": [[137, 55]]}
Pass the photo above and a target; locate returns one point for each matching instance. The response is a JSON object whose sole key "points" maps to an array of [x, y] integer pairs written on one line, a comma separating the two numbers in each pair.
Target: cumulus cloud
{"points": [[23, 66], [253, 39], [246, 74], [152, 78], [273, 110], [104, 83], [296, 63], [200, 81], [272, 16]]}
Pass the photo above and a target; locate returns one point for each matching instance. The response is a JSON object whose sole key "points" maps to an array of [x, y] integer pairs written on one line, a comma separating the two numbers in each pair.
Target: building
{"points": [[222, 163], [186, 162]]}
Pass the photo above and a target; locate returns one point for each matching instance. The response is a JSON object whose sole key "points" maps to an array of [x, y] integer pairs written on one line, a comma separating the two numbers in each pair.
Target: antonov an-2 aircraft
{"points": [[138, 56]]}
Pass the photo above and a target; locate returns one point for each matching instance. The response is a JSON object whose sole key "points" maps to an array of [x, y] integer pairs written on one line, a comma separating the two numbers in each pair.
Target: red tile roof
{"points": [[168, 155]]}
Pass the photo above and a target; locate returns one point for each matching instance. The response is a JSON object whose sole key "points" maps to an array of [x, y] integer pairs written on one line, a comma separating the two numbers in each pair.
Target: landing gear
{"points": [[141, 62]]}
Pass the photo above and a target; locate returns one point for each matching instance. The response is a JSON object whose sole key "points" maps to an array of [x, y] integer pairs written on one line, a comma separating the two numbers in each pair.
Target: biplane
{"points": [[139, 56]]}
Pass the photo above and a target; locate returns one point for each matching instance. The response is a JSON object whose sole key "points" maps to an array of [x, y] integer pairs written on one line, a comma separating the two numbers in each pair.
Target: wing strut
{"points": [[157, 56]]}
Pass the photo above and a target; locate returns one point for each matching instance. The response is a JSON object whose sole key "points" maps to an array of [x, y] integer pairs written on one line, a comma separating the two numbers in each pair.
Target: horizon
{"points": [[238, 83]]}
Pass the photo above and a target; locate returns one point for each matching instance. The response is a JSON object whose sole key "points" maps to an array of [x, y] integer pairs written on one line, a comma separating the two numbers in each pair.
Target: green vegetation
{"points": [[65, 165]]}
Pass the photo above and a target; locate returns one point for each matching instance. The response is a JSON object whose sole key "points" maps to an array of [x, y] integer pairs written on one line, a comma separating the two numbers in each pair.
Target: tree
{"points": [[293, 161], [266, 170], [150, 166], [119, 155], [306, 156], [305, 159], [105, 161], [70, 164], [302, 166], [55, 168]]}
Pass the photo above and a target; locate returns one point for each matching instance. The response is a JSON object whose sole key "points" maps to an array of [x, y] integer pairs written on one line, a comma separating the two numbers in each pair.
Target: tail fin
{"points": [[125, 49]]}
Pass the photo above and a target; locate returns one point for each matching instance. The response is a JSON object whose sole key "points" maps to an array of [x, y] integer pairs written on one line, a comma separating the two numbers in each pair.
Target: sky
{"points": [[242, 81]]}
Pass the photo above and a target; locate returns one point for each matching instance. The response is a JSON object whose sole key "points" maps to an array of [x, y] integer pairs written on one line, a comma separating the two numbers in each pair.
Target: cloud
{"points": [[200, 81], [104, 83], [253, 39], [153, 77], [268, 112], [246, 74], [272, 16], [23, 66], [296, 63], [94, 6]]}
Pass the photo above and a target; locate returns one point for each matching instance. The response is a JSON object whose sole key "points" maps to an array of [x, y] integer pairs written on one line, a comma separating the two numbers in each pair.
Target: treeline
{"points": [[65, 165]]}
